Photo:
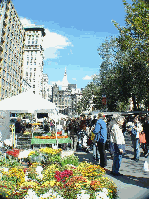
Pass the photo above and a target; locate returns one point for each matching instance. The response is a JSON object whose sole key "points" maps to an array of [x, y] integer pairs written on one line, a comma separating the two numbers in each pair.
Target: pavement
{"points": [[134, 183]]}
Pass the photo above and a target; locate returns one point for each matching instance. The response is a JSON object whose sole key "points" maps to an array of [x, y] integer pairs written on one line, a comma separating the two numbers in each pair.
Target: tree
{"points": [[133, 42], [124, 70]]}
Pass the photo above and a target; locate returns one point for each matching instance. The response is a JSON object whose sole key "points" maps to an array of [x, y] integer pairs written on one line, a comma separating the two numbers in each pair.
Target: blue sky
{"points": [[74, 31]]}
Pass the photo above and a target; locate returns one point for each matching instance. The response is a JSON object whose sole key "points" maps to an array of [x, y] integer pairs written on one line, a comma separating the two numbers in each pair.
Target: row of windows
{"points": [[14, 81], [31, 52], [31, 63], [30, 74], [33, 42]]}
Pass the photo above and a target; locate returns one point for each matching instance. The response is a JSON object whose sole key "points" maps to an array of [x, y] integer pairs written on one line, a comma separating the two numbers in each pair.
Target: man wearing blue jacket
{"points": [[100, 132]]}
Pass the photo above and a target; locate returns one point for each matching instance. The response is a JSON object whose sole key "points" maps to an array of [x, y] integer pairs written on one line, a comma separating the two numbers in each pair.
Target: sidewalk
{"points": [[134, 184]]}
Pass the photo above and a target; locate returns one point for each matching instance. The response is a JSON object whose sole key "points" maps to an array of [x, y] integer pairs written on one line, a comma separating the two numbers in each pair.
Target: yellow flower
{"points": [[52, 182]]}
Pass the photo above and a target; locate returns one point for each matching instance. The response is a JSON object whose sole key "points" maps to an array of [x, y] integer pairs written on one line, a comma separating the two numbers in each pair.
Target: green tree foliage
{"points": [[134, 43], [124, 71]]}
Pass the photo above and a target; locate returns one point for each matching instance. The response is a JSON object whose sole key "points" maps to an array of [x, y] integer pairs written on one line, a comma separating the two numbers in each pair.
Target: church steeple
{"points": [[65, 74], [65, 81]]}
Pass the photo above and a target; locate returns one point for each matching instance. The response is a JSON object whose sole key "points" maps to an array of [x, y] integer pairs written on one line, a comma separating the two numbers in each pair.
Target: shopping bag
{"points": [[142, 137]]}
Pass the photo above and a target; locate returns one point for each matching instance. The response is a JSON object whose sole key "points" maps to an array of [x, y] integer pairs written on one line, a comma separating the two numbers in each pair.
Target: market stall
{"points": [[42, 140], [26, 102]]}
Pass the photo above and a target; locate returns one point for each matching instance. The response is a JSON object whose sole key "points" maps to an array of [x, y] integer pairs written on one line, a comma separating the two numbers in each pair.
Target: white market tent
{"points": [[27, 102]]}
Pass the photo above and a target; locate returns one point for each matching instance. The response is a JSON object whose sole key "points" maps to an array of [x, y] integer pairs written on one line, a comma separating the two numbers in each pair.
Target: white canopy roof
{"points": [[27, 102]]}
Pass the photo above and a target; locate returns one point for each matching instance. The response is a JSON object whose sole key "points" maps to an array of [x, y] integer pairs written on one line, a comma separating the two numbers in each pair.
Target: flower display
{"points": [[62, 176], [59, 178], [72, 160], [50, 150], [49, 172], [14, 152]]}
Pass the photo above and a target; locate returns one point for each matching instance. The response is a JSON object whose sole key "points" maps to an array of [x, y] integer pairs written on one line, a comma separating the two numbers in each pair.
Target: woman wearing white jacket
{"points": [[119, 144]]}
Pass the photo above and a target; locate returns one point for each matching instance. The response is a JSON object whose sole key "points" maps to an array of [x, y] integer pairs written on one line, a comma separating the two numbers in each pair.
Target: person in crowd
{"points": [[110, 125], [73, 134], [94, 120], [88, 125], [78, 124], [146, 131], [142, 142], [18, 126], [83, 123], [124, 126], [52, 125], [46, 125], [136, 129], [92, 137], [119, 144], [100, 132], [68, 126]]}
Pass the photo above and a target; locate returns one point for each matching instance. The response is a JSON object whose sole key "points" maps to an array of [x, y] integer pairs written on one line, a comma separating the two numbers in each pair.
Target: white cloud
{"points": [[51, 41], [54, 40], [87, 77], [74, 79], [26, 22]]}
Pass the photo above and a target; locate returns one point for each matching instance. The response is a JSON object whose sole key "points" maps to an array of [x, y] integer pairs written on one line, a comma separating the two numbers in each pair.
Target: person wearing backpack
{"points": [[100, 132]]}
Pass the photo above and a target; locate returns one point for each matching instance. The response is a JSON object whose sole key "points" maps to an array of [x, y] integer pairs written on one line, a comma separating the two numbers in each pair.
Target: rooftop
{"points": [[35, 28]]}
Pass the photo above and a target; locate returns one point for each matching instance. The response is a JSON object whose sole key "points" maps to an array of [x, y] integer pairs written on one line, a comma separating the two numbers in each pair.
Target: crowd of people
{"points": [[104, 133], [108, 133]]}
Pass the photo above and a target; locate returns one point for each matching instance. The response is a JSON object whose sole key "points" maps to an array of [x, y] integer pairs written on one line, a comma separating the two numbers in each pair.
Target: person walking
{"points": [[119, 144], [146, 131], [100, 132], [136, 129], [73, 134]]}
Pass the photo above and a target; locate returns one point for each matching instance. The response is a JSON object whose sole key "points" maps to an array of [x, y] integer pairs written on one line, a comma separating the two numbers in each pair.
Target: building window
{"points": [[34, 86], [34, 92], [34, 69], [26, 73]]}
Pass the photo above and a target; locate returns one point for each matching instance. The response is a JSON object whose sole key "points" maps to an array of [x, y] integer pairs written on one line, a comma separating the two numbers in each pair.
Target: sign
{"points": [[104, 100]]}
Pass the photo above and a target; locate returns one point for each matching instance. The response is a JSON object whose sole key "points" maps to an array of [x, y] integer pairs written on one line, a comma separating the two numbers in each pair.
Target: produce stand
{"points": [[36, 141]]}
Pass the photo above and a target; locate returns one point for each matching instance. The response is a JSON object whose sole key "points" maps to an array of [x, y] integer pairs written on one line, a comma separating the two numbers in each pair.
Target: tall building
{"points": [[11, 50], [66, 99], [33, 57], [45, 86]]}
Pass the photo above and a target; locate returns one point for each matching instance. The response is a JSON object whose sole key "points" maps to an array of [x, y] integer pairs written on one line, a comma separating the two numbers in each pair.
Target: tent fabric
{"points": [[27, 102]]}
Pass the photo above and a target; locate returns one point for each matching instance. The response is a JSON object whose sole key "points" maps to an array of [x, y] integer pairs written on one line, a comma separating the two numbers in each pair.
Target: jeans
{"points": [[103, 157], [95, 151], [74, 140], [135, 142], [116, 162]]}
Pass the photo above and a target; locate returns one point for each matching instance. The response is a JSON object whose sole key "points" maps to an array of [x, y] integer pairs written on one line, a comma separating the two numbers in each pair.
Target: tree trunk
{"points": [[134, 102]]}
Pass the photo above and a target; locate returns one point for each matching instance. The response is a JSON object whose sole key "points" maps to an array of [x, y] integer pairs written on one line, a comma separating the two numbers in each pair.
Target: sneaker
{"points": [[146, 155]]}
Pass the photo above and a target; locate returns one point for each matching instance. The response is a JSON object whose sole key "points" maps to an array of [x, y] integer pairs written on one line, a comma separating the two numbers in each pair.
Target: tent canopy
{"points": [[27, 102]]}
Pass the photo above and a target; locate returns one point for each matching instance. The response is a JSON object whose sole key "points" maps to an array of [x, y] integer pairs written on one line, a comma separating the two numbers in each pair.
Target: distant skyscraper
{"points": [[11, 50], [33, 57]]}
